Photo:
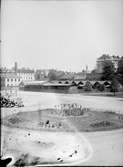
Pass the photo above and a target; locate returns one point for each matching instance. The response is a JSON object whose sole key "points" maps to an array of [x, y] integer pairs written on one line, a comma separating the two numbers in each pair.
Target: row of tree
{"points": [[110, 73]]}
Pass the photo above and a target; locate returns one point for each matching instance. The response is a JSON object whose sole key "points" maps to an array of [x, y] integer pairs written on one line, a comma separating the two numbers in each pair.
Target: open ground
{"points": [[105, 147]]}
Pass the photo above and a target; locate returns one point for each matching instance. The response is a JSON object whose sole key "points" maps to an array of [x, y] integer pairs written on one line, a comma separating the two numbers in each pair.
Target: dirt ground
{"points": [[107, 147], [48, 147]]}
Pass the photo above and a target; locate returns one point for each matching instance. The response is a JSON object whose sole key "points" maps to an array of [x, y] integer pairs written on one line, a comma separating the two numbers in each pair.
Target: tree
{"points": [[55, 75], [52, 75], [101, 87], [108, 70], [114, 85], [120, 70], [94, 75], [110, 74], [87, 86]]}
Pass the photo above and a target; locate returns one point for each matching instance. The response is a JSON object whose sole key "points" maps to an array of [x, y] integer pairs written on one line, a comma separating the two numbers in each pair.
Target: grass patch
{"points": [[52, 120]]}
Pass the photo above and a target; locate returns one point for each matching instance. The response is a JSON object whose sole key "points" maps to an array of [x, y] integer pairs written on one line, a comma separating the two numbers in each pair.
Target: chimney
{"points": [[86, 69], [16, 67]]}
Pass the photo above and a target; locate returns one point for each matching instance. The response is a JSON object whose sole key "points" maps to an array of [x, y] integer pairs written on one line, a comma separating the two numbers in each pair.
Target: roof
{"points": [[25, 71], [104, 56], [66, 76], [113, 57], [33, 82], [9, 75], [46, 83], [56, 83], [80, 76]]}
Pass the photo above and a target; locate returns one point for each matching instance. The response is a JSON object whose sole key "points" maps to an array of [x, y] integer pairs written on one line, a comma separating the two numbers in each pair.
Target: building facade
{"points": [[10, 80], [13, 77], [41, 74], [105, 57], [26, 75]]}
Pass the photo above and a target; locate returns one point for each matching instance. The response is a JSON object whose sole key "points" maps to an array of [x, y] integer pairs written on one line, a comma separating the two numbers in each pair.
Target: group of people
{"points": [[48, 124], [69, 110], [62, 110]]}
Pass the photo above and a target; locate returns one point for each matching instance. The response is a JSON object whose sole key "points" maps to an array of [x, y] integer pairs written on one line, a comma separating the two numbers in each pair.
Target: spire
{"points": [[86, 69]]}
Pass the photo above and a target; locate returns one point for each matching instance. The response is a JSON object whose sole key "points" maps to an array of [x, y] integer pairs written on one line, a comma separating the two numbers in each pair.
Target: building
{"points": [[41, 74], [26, 74], [13, 77], [105, 57], [10, 80], [80, 75]]}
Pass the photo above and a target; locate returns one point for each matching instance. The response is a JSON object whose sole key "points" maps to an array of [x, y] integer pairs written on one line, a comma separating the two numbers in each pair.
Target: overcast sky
{"points": [[57, 34]]}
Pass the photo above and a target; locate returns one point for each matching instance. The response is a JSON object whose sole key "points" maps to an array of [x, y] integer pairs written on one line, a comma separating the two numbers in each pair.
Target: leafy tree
{"points": [[101, 87], [110, 74], [114, 85], [94, 75], [88, 86], [108, 70], [52, 75], [55, 75], [120, 70]]}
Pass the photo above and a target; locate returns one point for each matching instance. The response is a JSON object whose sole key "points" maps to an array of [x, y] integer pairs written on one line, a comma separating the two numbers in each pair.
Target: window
{"points": [[8, 79], [11, 79], [15, 79]]}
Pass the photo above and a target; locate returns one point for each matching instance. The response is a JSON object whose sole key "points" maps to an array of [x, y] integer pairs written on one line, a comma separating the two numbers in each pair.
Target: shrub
{"points": [[88, 86], [101, 87], [101, 124]]}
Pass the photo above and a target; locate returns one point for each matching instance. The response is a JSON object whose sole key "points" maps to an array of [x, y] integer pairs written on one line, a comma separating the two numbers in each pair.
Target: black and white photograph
{"points": [[61, 79]]}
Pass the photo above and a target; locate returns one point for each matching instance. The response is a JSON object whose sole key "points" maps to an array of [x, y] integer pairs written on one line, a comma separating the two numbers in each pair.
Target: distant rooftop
{"points": [[66, 76], [25, 71], [107, 57], [104, 56], [9, 75], [46, 83]]}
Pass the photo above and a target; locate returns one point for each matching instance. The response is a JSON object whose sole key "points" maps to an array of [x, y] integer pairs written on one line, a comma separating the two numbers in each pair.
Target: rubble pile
{"points": [[8, 103]]}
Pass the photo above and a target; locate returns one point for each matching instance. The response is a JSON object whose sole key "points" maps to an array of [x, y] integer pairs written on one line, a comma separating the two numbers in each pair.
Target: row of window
{"points": [[13, 79], [12, 85], [25, 74], [27, 78]]}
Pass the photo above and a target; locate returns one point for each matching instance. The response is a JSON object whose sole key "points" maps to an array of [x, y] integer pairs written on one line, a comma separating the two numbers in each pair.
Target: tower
{"points": [[86, 69], [15, 67]]}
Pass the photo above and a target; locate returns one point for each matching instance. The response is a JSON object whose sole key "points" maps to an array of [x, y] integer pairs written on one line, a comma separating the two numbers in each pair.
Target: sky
{"points": [[64, 35]]}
